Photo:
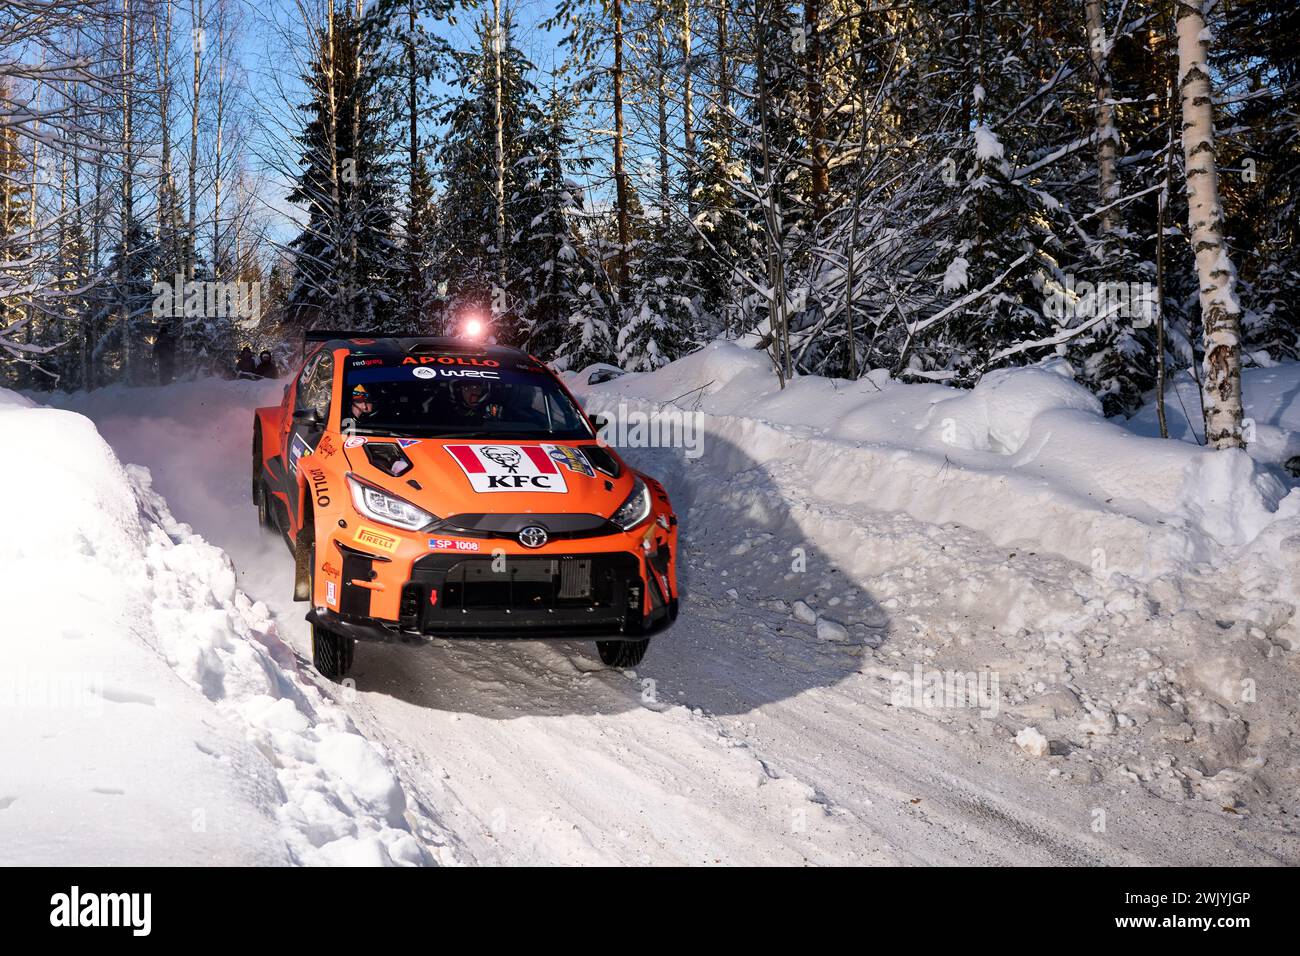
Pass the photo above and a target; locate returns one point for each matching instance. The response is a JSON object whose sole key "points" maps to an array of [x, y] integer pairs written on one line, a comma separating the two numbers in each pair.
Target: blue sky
{"points": [[272, 48]]}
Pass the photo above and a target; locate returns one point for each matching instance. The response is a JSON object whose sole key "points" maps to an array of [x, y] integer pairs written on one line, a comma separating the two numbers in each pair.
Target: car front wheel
{"points": [[622, 653], [331, 654], [264, 508]]}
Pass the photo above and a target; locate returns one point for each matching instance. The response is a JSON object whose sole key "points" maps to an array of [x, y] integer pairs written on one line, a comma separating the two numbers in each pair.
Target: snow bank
{"points": [[1025, 457], [1157, 654], [998, 414], [1272, 414], [149, 699]]}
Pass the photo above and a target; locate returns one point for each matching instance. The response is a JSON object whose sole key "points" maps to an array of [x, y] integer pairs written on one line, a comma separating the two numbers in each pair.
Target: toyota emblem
{"points": [[532, 536]]}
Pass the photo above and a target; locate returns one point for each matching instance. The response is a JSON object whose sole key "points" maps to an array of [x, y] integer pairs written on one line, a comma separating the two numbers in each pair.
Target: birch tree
{"points": [[1099, 47], [1220, 305]]}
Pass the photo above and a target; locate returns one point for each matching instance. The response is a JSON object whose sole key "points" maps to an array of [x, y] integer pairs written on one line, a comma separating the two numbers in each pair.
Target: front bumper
{"points": [[605, 595]]}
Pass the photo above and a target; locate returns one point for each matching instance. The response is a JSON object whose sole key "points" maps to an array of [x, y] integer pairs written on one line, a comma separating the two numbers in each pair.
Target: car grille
{"points": [[451, 586], [525, 584], [558, 527]]}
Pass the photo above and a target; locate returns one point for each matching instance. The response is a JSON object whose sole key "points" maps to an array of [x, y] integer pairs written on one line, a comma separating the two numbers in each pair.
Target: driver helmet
{"points": [[472, 393], [361, 397]]}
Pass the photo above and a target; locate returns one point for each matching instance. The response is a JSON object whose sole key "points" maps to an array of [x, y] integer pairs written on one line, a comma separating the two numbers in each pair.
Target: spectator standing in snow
{"points": [[266, 366], [245, 367], [164, 354]]}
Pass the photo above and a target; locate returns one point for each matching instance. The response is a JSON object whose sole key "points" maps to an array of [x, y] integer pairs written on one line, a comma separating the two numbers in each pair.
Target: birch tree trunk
{"points": [[500, 185], [128, 189], [413, 163], [82, 265], [218, 156], [773, 219], [359, 277], [1220, 308], [162, 40], [661, 100], [96, 246], [196, 41], [26, 378], [620, 175], [724, 50], [818, 158], [64, 280], [1107, 135], [688, 106], [332, 127]]}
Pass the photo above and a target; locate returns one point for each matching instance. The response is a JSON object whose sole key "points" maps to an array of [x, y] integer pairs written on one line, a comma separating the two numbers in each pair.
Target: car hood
{"points": [[450, 478]]}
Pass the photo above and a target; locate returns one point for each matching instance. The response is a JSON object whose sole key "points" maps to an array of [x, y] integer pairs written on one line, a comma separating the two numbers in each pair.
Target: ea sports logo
{"points": [[423, 372]]}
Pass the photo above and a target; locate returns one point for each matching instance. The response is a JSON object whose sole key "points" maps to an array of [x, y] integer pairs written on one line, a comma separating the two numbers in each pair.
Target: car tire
{"points": [[257, 455], [331, 654], [622, 653], [263, 502]]}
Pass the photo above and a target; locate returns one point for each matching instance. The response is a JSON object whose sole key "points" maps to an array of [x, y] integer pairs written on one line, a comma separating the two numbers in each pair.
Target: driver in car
{"points": [[363, 405], [474, 401]]}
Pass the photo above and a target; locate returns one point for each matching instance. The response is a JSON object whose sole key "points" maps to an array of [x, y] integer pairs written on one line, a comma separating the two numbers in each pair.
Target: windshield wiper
{"points": [[505, 434], [501, 434]]}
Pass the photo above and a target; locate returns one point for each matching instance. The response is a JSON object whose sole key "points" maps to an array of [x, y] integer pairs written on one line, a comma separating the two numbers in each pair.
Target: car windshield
{"points": [[455, 397]]}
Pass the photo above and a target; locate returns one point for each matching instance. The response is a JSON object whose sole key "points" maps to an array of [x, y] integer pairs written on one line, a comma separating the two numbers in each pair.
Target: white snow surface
{"points": [[1269, 398], [987, 144], [1025, 457], [152, 714], [858, 561], [956, 276]]}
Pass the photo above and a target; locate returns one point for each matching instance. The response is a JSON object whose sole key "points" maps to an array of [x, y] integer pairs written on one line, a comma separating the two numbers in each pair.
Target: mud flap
{"points": [[658, 599], [302, 558]]}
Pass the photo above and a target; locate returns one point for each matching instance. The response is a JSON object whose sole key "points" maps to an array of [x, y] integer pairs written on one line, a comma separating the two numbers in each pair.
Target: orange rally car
{"points": [[430, 487]]}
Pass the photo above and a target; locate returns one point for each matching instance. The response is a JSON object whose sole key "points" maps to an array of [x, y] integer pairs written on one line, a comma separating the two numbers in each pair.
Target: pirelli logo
{"points": [[376, 540]]}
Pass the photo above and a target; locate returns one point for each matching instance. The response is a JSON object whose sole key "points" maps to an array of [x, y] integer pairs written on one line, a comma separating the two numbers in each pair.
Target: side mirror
{"points": [[602, 421], [307, 416]]}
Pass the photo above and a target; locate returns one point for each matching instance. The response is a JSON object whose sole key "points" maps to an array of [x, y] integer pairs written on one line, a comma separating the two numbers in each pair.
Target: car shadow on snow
{"points": [[740, 640]]}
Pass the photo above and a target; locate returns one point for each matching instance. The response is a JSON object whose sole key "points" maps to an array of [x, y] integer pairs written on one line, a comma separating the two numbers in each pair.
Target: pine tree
{"points": [[413, 55], [720, 225], [346, 259], [419, 248], [588, 333], [126, 301], [660, 321], [1260, 43], [467, 259], [552, 263]]}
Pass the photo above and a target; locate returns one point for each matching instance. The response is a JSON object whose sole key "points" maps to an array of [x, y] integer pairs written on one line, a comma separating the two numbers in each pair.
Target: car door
{"points": [[311, 410]]}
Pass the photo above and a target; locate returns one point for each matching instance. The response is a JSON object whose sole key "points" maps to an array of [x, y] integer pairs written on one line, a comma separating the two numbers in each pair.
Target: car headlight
{"points": [[385, 508], [636, 509]]}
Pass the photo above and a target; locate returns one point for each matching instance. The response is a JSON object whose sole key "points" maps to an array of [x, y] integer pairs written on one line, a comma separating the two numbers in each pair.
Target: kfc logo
{"points": [[505, 456], [508, 468]]}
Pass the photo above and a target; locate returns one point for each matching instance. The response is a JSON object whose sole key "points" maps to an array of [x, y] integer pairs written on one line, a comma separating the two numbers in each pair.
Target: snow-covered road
{"points": [[750, 735]]}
